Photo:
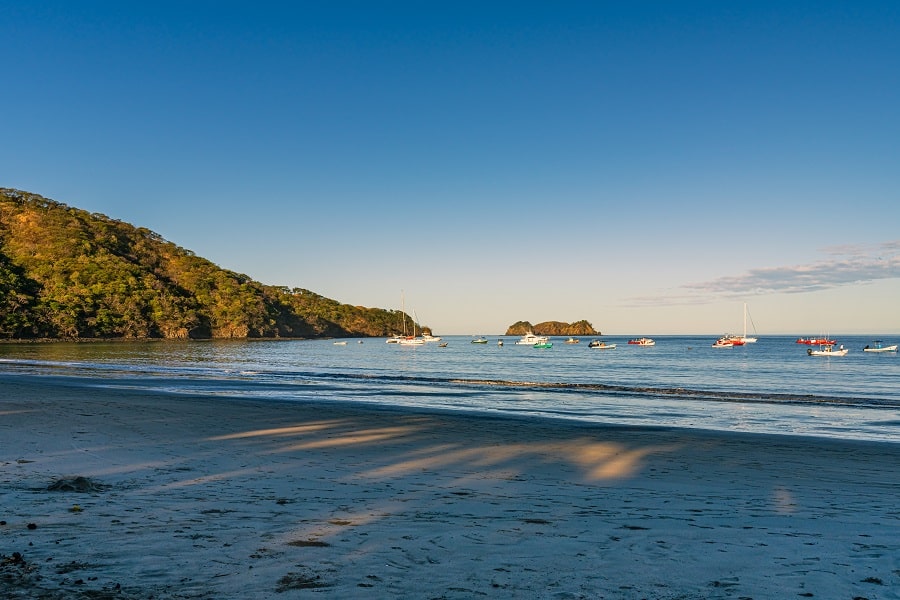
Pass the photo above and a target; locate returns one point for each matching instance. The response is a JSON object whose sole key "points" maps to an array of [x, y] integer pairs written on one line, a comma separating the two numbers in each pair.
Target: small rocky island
{"points": [[552, 328]]}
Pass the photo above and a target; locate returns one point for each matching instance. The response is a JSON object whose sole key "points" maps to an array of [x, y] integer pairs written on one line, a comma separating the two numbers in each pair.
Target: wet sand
{"points": [[111, 493]]}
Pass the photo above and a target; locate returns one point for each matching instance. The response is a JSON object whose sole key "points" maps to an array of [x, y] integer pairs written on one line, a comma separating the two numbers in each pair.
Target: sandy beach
{"points": [[114, 493]]}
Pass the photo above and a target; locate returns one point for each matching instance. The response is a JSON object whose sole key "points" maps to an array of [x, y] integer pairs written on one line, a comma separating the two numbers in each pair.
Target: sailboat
{"points": [[743, 339], [408, 340]]}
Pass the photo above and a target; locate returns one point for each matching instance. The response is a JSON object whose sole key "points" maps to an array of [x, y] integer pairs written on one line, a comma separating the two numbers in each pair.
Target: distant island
{"points": [[552, 328], [69, 274]]}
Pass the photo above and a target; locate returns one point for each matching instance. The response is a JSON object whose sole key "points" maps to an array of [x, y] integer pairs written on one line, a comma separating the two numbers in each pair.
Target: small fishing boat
{"points": [[811, 341], [724, 342], [643, 341], [827, 350], [544, 345], [442, 345], [601, 345], [880, 347]]}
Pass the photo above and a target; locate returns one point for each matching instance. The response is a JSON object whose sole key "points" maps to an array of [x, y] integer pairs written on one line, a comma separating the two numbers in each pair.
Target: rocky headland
{"points": [[552, 328]]}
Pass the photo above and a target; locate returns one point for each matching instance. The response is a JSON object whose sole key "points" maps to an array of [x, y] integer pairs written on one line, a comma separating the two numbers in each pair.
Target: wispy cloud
{"points": [[844, 265]]}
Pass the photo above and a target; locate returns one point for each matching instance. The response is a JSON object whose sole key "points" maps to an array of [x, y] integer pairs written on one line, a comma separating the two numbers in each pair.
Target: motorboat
{"points": [[340, 343], [480, 340], [529, 339], [546, 344], [394, 339], [643, 341], [724, 342], [733, 339], [572, 340], [430, 338], [880, 347], [823, 341], [601, 345], [827, 350]]}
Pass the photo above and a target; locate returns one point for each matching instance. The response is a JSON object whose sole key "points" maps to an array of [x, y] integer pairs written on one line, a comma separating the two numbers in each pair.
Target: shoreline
{"points": [[240, 498]]}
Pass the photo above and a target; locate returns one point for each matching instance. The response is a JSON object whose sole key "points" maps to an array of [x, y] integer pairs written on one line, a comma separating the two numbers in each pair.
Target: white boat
{"points": [[340, 343], [480, 340], [743, 339], [828, 350], [394, 339], [723, 342], [408, 340], [430, 338], [572, 340], [880, 347], [530, 339], [601, 345], [643, 341]]}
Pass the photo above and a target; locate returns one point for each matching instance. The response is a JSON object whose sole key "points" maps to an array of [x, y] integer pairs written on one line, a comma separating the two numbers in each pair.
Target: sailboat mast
{"points": [[403, 311], [745, 319]]}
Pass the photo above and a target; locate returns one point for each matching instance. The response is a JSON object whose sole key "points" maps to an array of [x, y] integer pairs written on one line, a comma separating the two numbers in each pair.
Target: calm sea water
{"points": [[772, 386]]}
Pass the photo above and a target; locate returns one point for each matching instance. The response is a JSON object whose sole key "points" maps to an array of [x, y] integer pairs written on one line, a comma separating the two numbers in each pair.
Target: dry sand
{"points": [[202, 497]]}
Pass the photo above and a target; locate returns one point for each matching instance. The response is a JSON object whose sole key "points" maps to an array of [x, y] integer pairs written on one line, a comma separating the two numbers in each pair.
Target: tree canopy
{"points": [[67, 273]]}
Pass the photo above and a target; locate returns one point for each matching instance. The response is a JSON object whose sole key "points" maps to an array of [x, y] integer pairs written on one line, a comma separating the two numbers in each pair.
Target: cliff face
{"points": [[552, 328]]}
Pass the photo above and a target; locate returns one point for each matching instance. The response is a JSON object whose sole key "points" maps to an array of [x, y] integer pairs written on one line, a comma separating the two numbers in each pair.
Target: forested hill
{"points": [[66, 273]]}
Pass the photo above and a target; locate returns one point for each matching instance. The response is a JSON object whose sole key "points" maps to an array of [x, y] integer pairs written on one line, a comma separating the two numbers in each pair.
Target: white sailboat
{"points": [[744, 339], [408, 340]]}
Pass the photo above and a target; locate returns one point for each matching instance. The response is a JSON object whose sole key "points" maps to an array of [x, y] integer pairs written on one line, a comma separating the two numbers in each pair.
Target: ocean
{"points": [[770, 387]]}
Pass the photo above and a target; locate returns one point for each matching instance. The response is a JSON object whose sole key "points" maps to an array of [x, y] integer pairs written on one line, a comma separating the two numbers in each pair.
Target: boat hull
{"points": [[883, 349], [828, 351]]}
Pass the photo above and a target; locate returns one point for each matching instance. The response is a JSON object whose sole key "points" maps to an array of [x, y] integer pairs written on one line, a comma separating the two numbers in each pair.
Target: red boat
{"points": [[816, 341]]}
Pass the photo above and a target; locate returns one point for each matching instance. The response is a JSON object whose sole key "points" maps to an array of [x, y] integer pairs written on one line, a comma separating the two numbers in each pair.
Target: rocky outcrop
{"points": [[552, 328]]}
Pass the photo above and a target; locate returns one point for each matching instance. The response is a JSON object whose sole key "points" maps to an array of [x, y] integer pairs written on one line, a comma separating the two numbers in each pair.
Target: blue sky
{"points": [[647, 166]]}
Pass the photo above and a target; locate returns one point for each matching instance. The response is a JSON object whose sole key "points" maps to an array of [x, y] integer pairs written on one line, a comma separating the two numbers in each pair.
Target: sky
{"points": [[646, 166]]}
